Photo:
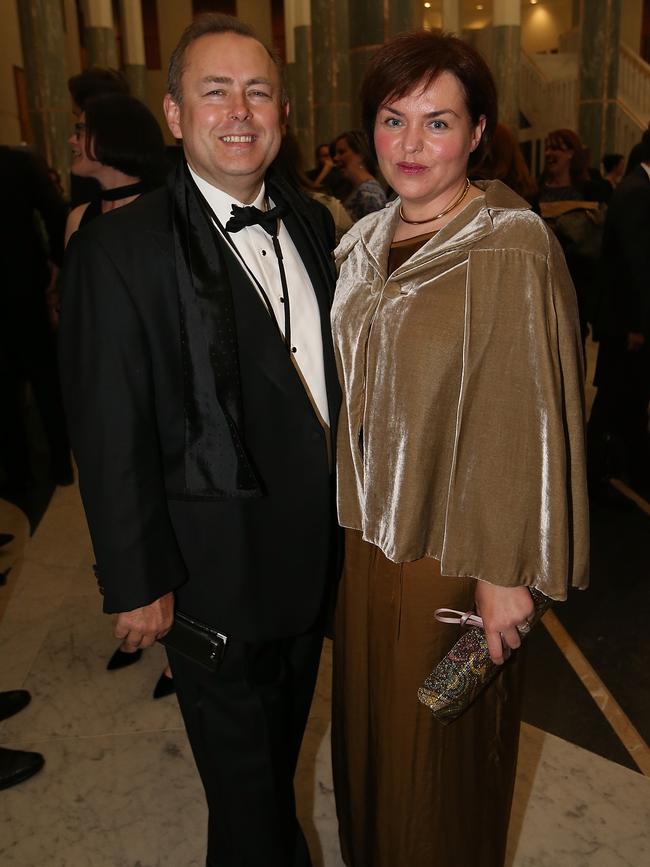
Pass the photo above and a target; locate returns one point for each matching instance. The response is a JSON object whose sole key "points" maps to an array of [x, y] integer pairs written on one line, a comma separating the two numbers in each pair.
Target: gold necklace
{"points": [[459, 198]]}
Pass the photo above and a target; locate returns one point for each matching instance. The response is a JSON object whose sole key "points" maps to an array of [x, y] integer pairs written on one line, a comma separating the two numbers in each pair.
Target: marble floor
{"points": [[119, 788]]}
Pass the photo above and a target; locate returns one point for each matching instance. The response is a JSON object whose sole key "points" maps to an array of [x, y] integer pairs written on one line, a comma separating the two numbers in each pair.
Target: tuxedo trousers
{"points": [[245, 724], [410, 791]]}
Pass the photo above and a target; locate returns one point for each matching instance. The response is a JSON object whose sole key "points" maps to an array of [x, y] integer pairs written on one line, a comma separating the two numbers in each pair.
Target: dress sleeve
{"points": [[109, 399], [517, 503]]}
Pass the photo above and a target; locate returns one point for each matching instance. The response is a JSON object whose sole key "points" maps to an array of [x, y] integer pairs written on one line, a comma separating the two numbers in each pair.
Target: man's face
{"points": [[229, 117]]}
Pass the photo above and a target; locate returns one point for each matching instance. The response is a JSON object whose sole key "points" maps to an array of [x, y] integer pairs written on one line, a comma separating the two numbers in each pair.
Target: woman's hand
{"points": [[503, 609]]}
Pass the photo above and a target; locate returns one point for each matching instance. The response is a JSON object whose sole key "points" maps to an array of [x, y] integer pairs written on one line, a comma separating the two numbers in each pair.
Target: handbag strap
{"points": [[462, 618]]}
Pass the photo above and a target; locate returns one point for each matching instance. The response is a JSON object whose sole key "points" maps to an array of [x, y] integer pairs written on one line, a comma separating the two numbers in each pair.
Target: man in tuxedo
{"points": [[201, 390], [619, 443]]}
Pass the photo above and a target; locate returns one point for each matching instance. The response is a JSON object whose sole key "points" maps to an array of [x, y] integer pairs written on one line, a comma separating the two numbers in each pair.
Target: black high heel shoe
{"points": [[121, 659], [165, 686]]}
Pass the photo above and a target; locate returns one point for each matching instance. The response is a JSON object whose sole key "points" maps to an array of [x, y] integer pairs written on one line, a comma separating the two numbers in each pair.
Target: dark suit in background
{"points": [[32, 225], [618, 426]]}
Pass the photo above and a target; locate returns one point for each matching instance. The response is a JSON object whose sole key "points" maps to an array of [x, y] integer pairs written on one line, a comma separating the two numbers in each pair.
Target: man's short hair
{"points": [[644, 150], [95, 82], [610, 161], [205, 25]]}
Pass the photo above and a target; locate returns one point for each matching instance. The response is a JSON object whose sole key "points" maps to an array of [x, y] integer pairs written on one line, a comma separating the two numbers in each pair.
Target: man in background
{"points": [[619, 443]]}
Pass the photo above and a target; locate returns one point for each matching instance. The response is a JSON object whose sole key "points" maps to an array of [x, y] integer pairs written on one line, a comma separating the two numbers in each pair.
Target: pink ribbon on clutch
{"points": [[463, 618]]}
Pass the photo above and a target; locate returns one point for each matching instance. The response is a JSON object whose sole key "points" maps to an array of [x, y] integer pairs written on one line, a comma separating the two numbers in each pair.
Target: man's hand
{"points": [[503, 609], [142, 626]]}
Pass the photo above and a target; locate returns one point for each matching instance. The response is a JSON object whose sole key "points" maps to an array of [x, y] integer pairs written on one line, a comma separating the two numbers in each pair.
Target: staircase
{"points": [[548, 98]]}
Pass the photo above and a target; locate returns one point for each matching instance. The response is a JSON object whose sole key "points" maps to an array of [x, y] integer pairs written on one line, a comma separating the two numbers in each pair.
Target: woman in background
{"points": [[504, 162], [289, 162], [359, 167], [118, 142], [460, 462]]}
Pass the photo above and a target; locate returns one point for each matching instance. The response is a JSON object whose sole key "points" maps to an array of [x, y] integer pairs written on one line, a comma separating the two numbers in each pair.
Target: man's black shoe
{"points": [[12, 701], [17, 765]]}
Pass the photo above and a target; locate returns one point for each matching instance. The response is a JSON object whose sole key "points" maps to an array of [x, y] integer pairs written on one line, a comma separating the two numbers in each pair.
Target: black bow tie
{"points": [[252, 216]]}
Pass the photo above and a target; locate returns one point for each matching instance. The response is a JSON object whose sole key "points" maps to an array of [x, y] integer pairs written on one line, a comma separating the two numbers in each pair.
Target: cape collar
{"points": [[375, 232]]}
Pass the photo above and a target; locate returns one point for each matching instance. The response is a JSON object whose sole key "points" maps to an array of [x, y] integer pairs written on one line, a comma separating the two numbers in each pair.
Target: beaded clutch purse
{"points": [[467, 669]]}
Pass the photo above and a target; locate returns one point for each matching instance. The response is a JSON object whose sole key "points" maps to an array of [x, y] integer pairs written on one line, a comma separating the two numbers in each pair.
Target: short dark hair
{"points": [[95, 82], [644, 150], [420, 57], [610, 161], [323, 144], [205, 25], [358, 142], [122, 133]]}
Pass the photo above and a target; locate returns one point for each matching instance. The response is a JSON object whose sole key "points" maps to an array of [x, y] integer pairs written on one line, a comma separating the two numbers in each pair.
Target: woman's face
{"points": [[557, 156], [423, 142], [345, 158], [323, 155], [81, 163]]}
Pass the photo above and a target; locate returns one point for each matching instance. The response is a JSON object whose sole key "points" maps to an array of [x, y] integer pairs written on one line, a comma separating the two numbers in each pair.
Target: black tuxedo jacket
{"points": [[255, 568], [625, 275]]}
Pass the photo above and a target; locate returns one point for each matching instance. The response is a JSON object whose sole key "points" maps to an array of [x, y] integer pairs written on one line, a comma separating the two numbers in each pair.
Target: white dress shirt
{"points": [[256, 249]]}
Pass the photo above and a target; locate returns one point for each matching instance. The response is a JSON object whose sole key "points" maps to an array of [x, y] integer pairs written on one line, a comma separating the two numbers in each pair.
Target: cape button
{"points": [[392, 289]]}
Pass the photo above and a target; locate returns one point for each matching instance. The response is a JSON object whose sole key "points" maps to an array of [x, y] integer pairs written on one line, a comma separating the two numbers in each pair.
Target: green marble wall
{"points": [[301, 91], [506, 61], [599, 76], [331, 68], [42, 35], [101, 49], [371, 24], [136, 75]]}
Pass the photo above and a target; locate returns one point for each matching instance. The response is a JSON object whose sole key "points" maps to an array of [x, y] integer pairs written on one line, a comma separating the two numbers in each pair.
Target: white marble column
{"points": [[99, 34], [135, 67]]}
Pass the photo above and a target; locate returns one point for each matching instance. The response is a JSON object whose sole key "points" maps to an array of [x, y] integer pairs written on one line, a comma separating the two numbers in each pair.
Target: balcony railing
{"points": [[634, 83], [550, 101]]}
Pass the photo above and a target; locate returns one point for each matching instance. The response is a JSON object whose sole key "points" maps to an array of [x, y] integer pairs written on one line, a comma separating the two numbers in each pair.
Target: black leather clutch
{"points": [[195, 641]]}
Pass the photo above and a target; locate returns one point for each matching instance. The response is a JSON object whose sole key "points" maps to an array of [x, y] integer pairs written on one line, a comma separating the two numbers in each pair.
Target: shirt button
{"points": [[263, 252]]}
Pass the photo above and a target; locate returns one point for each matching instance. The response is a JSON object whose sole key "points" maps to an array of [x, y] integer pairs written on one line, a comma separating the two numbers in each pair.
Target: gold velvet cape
{"points": [[461, 435]]}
